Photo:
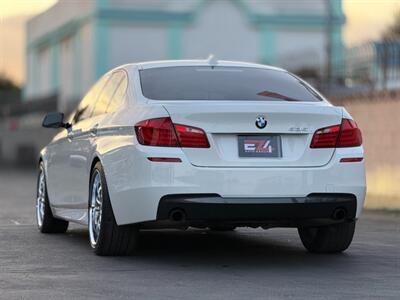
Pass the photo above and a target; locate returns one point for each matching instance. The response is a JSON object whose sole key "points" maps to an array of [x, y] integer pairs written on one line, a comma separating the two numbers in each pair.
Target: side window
{"points": [[107, 93], [86, 106], [119, 96]]}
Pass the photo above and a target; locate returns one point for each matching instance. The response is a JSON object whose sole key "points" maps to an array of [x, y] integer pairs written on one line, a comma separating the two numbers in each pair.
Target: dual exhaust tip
{"points": [[339, 214], [177, 215]]}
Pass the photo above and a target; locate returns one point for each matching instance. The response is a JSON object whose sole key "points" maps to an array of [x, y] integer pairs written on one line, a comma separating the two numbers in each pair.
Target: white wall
{"points": [[300, 48], [168, 5], [59, 14], [223, 30], [86, 52], [43, 72], [66, 69], [128, 43]]}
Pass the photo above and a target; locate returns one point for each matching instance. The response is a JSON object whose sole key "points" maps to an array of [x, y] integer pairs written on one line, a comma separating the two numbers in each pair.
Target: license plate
{"points": [[260, 146]]}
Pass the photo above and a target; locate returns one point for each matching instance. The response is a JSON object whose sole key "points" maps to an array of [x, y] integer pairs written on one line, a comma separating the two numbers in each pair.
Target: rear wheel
{"points": [[44, 217], [328, 239], [106, 237]]}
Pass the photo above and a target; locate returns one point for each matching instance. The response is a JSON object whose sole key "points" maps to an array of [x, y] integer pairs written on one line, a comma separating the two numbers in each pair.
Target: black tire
{"points": [[113, 240], [328, 239], [47, 222], [222, 228]]}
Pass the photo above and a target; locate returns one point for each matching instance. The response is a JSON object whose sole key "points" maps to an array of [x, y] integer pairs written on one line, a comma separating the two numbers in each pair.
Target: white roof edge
{"points": [[197, 62]]}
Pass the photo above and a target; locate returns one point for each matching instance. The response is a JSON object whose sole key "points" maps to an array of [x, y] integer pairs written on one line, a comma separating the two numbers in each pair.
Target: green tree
{"points": [[9, 92], [7, 84], [393, 31]]}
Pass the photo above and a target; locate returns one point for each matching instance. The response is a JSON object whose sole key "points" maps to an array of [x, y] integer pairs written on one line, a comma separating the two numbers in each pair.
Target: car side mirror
{"points": [[55, 120]]}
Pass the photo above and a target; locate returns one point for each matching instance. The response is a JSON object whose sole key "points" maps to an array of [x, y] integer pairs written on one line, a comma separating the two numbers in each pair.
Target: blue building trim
{"points": [[77, 64], [175, 41], [135, 15], [267, 45], [295, 20], [337, 47], [100, 48]]}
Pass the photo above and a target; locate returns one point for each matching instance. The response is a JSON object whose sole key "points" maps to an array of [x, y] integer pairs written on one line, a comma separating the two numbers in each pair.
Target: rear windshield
{"points": [[224, 83]]}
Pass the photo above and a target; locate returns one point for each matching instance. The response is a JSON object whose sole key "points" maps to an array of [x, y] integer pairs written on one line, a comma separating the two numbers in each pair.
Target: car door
{"points": [[66, 159], [83, 144]]}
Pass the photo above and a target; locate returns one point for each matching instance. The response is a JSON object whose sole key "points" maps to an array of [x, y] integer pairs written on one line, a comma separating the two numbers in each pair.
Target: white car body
{"points": [[136, 184]]}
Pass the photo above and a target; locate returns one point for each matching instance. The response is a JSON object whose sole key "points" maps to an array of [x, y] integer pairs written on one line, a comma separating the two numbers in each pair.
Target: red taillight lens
{"points": [[346, 134], [191, 137], [325, 137], [163, 133], [156, 132], [350, 134]]}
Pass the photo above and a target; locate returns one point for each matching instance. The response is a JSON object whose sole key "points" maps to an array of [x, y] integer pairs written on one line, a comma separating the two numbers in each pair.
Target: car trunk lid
{"points": [[225, 122]]}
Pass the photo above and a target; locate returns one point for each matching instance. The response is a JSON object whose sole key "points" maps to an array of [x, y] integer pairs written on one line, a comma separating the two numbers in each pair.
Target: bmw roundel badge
{"points": [[261, 122]]}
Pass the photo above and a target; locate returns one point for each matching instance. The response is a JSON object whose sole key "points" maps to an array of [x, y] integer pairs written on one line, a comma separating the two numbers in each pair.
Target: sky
{"points": [[366, 20]]}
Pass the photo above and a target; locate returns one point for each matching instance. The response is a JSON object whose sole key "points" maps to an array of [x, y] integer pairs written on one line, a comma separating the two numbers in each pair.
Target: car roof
{"points": [[197, 62]]}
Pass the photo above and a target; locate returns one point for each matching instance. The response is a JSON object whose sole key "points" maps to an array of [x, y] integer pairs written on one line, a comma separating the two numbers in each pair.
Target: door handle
{"points": [[93, 130], [70, 135], [74, 133]]}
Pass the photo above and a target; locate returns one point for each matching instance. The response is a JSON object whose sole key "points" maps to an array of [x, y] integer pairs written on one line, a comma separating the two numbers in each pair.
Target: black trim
{"points": [[209, 208]]}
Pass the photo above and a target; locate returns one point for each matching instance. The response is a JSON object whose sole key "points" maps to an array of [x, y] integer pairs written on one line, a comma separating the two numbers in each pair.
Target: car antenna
{"points": [[212, 60]]}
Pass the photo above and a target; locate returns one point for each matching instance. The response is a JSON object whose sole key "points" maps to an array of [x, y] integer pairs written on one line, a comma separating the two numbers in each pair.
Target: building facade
{"points": [[73, 43]]}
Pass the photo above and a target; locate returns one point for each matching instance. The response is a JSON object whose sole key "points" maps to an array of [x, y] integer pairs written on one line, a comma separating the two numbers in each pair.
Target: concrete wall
{"points": [[378, 117]]}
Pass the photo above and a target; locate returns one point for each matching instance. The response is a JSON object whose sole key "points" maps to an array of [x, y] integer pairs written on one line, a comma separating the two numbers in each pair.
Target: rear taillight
{"points": [[325, 137], [191, 137], [156, 132], [350, 134], [162, 132], [346, 134]]}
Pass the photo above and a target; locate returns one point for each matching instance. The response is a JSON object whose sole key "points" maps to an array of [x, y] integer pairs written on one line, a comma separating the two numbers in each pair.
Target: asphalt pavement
{"points": [[193, 264]]}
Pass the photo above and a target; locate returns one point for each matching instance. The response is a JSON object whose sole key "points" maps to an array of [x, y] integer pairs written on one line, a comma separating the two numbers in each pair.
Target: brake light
{"points": [[325, 137], [162, 132], [156, 132], [191, 137], [347, 134], [350, 134]]}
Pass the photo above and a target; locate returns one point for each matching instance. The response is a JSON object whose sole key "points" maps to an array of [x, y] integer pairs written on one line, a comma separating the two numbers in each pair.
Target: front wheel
{"points": [[328, 239], [106, 237]]}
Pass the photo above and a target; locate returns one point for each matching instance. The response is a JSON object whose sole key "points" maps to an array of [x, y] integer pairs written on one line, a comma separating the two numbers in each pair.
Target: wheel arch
{"points": [[96, 159]]}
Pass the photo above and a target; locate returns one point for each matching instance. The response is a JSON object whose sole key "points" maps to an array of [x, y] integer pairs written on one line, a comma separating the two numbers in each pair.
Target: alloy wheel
{"points": [[41, 198], [95, 209]]}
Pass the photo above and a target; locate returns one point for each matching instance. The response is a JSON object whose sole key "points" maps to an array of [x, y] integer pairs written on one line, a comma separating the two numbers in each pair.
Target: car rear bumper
{"points": [[138, 186], [207, 209]]}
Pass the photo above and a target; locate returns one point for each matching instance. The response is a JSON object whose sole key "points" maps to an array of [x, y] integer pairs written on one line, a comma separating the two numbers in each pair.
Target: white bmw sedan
{"points": [[217, 145]]}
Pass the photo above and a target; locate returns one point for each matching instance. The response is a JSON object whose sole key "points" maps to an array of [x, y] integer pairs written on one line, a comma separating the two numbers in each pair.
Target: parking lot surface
{"points": [[192, 264]]}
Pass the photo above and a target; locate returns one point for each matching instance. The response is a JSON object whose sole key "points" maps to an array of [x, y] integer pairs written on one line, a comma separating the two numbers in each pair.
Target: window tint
{"points": [[224, 83], [86, 106], [107, 93], [119, 96]]}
